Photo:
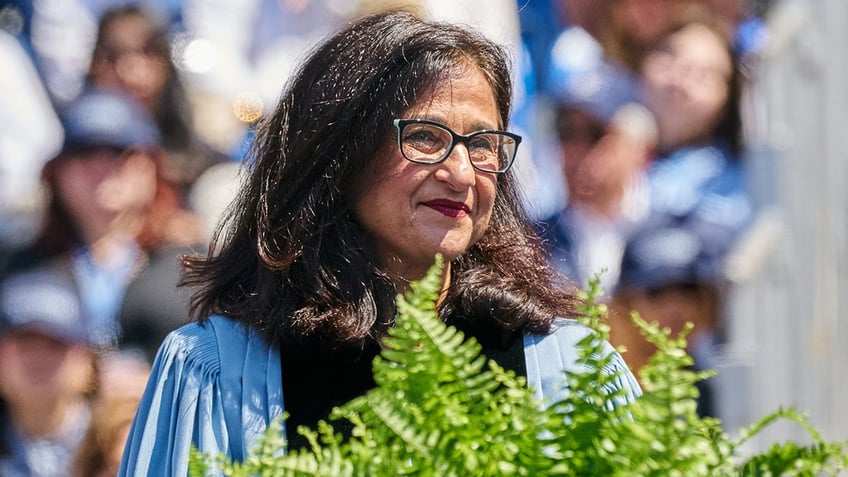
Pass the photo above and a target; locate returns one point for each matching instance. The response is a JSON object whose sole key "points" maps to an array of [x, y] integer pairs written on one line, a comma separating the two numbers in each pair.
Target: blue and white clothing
{"points": [[43, 457], [102, 287], [701, 183]]}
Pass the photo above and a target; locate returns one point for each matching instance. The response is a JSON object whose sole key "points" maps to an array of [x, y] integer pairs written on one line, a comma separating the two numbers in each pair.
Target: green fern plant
{"points": [[441, 408]]}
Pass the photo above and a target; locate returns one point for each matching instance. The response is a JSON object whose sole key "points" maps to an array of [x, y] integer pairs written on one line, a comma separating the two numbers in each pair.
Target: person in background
{"points": [[693, 85], [47, 375], [600, 38], [60, 34], [388, 148], [606, 138], [132, 55], [110, 211], [672, 274]]}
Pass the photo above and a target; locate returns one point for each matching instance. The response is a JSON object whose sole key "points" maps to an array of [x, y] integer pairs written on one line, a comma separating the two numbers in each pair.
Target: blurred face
{"points": [[671, 307], [687, 80], [598, 163], [584, 173], [39, 368], [127, 61], [414, 211], [674, 306], [101, 184]]}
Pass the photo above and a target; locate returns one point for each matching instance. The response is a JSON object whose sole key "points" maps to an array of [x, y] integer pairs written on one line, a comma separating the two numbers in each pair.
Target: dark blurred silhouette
{"points": [[672, 274]]}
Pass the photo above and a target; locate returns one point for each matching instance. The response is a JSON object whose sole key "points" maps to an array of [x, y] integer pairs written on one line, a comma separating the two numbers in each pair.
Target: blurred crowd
{"points": [[123, 126]]}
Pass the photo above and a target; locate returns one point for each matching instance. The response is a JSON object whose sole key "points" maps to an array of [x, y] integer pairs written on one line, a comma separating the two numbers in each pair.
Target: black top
{"points": [[317, 378]]}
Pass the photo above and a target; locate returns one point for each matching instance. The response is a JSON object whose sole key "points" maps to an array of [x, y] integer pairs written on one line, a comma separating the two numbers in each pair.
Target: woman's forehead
{"points": [[464, 82]]}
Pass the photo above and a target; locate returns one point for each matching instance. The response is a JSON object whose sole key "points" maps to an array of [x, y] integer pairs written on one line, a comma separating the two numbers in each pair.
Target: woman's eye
{"points": [[425, 140], [483, 144], [421, 136]]}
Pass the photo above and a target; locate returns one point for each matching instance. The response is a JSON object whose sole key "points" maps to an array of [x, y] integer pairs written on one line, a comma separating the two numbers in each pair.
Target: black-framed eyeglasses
{"points": [[428, 142]]}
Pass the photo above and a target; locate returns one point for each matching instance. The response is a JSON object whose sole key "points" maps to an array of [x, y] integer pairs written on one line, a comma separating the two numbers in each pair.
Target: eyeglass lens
{"points": [[429, 143]]}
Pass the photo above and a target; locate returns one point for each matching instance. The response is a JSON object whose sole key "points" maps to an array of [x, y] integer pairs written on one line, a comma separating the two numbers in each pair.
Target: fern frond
{"points": [[819, 458], [440, 410]]}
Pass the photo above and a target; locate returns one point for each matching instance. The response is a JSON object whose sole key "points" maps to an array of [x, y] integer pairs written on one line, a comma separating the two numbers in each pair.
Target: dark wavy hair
{"points": [[291, 260]]}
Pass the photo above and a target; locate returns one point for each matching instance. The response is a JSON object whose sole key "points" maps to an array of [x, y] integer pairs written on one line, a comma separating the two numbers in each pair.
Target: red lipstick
{"points": [[448, 207]]}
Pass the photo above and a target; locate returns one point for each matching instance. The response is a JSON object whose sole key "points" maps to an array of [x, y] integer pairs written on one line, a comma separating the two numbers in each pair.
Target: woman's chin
{"points": [[451, 251]]}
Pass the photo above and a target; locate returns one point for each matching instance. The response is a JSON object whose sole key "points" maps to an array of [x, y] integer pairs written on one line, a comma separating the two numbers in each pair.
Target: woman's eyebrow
{"points": [[476, 126]]}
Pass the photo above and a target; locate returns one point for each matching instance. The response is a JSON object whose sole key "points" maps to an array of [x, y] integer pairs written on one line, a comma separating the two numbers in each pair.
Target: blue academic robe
{"points": [[218, 385]]}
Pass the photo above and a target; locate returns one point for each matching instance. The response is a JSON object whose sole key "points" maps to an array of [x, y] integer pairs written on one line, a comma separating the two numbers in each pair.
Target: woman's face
{"points": [[598, 162], [687, 81], [670, 307], [676, 305], [127, 62], [414, 211], [42, 368], [99, 185]]}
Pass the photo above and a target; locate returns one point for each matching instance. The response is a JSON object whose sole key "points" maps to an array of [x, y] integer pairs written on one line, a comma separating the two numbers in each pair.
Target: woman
{"points": [[693, 86], [378, 157], [132, 55]]}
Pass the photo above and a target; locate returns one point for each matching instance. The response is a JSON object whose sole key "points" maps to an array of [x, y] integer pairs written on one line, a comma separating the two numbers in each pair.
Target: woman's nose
{"points": [[456, 169]]}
